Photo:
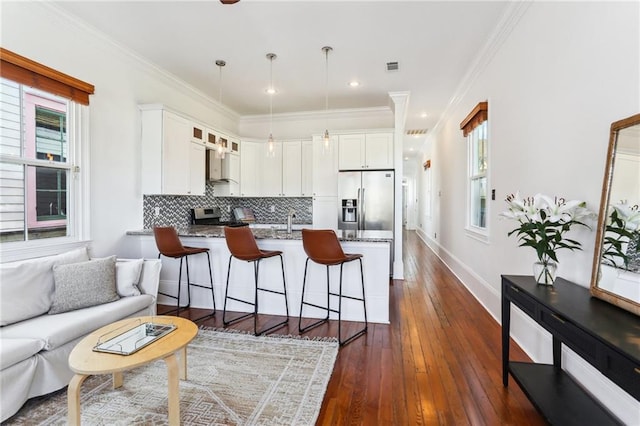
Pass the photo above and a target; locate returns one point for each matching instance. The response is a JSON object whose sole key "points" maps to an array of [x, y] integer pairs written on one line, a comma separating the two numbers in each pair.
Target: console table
{"points": [[604, 335]]}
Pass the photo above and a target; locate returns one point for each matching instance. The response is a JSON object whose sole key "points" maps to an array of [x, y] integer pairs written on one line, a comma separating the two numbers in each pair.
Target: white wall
{"points": [[121, 83], [564, 74]]}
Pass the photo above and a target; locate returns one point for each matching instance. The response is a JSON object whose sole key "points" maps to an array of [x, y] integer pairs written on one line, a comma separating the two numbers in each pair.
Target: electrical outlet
{"points": [[273, 209], [228, 209], [156, 211]]}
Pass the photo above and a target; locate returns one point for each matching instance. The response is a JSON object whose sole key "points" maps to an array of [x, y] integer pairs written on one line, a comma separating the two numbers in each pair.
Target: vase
{"points": [[545, 272]]}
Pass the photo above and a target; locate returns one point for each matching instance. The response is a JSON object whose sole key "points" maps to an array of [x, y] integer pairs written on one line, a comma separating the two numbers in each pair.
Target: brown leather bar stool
{"points": [[322, 247], [243, 246], [169, 245]]}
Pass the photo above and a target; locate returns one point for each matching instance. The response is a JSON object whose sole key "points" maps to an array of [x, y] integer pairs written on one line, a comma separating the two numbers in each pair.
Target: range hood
{"points": [[218, 169]]}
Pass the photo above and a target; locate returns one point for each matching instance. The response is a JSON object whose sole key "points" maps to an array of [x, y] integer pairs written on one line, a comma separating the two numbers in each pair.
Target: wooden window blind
{"points": [[30, 73], [479, 114]]}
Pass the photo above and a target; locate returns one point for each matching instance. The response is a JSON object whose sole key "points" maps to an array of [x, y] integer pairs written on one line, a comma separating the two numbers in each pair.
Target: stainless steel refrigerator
{"points": [[365, 200]]}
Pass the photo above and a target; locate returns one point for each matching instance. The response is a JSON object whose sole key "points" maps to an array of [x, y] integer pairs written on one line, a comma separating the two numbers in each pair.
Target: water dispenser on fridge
{"points": [[349, 210]]}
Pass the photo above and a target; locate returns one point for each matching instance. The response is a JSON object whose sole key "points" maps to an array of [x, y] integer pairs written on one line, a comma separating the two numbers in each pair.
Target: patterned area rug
{"points": [[233, 379]]}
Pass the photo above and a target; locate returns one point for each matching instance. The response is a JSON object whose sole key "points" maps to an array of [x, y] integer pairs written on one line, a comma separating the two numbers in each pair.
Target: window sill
{"points": [[481, 236]]}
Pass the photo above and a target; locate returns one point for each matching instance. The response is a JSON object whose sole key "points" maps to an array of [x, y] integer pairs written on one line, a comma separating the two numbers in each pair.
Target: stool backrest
{"points": [[322, 246], [241, 243], [167, 240]]}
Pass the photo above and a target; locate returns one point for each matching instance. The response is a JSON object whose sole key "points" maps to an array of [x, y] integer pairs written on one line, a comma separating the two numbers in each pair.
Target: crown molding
{"points": [[321, 114], [511, 16], [146, 65]]}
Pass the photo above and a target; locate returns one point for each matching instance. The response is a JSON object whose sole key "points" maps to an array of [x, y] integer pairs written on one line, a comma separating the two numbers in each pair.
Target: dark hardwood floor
{"points": [[438, 362]]}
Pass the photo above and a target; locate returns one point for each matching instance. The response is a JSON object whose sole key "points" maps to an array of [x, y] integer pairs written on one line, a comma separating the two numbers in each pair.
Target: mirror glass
{"points": [[616, 267]]}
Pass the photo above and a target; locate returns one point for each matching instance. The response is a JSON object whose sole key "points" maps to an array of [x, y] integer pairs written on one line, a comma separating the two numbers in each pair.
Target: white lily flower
{"points": [[630, 215]]}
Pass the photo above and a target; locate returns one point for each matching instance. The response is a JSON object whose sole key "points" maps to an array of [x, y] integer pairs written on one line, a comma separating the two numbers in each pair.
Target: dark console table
{"points": [[602, 334]]}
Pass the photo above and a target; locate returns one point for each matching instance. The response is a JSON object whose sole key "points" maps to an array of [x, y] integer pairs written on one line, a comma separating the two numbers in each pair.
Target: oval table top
{"points": [[84, 360]]}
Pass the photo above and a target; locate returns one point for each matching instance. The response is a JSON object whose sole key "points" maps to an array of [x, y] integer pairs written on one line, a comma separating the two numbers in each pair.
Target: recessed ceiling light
{"points": [[406, 158], [423, 115], [354, 83], [271, 91]]}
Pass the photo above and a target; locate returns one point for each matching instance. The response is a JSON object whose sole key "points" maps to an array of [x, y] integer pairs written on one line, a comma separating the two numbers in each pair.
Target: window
{"points": [[474, 127], [40, 124]]}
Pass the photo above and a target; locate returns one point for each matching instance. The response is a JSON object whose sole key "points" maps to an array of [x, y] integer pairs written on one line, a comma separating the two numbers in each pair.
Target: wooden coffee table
{"points": [[85, 362]]}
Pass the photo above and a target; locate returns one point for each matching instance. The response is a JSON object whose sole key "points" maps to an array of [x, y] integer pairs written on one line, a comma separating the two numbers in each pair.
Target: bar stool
{"points": [[242, 245], [322, 247], [169, 245]]}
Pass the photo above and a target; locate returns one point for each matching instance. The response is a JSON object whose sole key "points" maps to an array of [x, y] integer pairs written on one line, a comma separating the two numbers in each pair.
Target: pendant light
{"points": [[271, 149], [220, 63], [326, 140]]}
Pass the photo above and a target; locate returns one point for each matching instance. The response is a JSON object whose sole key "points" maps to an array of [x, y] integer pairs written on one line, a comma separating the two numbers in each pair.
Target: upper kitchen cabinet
{"points": [[249, 168], [270, 170], [365, 151], [306, 186], [172, 164], [292, 169], [325, 168], [198, 132]]}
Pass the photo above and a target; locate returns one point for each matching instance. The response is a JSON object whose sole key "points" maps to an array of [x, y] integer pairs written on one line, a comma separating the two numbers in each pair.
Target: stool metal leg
{"points": [[177, 308], [364, 305], [256, 271], [190, 284], [302, 303]]}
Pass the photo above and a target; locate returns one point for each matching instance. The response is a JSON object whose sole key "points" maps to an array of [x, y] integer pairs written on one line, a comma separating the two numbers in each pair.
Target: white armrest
{"points": [[150, 277]]}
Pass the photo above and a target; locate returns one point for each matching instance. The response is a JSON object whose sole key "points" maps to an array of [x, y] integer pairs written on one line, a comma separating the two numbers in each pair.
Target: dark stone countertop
{"points": [[209, 231]]}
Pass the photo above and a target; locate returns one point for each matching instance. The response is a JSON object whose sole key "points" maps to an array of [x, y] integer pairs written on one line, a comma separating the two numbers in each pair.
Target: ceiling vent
{"points": [[392, 66], [417, 132]]}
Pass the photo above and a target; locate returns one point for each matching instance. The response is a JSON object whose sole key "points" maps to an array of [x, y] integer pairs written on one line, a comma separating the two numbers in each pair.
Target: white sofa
{"points": [[34, 343]]}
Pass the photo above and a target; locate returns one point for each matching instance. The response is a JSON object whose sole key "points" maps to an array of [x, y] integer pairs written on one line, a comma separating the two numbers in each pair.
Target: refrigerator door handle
{"points": [[364, 212], [359, 209]]}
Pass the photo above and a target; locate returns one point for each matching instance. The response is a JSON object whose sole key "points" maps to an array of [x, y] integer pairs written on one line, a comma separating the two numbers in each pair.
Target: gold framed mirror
{"points": [[615, 276]]}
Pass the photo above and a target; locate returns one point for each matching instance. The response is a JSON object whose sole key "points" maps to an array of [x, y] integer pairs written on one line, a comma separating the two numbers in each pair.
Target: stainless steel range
{"points": [[211, 216]]}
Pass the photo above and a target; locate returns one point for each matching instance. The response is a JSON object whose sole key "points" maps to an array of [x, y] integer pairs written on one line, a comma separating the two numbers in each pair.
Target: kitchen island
{"points": [[375, 246]]}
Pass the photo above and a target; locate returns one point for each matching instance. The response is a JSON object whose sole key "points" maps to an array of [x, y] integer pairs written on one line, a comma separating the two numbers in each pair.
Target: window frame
{"points": [[51, 82], [477, 120]]}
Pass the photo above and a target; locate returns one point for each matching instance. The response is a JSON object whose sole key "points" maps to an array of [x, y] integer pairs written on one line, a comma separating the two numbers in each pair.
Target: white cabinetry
{"points": [[249, 168], [325, 168], [231, 169], [197, 168], [270, 170], [366, 151], [306, 186], [292, 169], [168, 154], [325, 213]]}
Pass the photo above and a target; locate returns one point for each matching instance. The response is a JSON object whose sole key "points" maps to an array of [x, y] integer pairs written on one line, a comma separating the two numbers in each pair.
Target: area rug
{"points": [[232, 379]]}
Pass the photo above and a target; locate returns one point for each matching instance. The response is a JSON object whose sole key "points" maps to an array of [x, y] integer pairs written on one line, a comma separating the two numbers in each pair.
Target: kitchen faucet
{"points": [[292, 214]]}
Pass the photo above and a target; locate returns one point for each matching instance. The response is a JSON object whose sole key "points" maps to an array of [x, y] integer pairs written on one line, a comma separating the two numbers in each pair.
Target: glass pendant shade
{"points": [[326, 139], [271, 149], [220, 151]]}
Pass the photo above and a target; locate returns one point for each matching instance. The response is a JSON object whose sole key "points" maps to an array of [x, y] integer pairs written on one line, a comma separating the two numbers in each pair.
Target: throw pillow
{"points": [[26, 286], [128, 276], [84, 284]]}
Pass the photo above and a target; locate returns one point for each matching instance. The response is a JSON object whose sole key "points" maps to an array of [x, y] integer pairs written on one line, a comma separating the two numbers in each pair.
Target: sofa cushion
{"points": [[13, 351], [84, 284], [26, 286], [127, 276], [56, 330]]}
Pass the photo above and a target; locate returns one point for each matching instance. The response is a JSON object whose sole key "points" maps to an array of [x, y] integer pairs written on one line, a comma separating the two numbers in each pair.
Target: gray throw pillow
{"points": [[84, 284]]}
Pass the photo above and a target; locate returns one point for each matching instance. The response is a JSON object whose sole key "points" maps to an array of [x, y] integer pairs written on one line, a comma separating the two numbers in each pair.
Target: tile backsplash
{"points": [[174, 210]]}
